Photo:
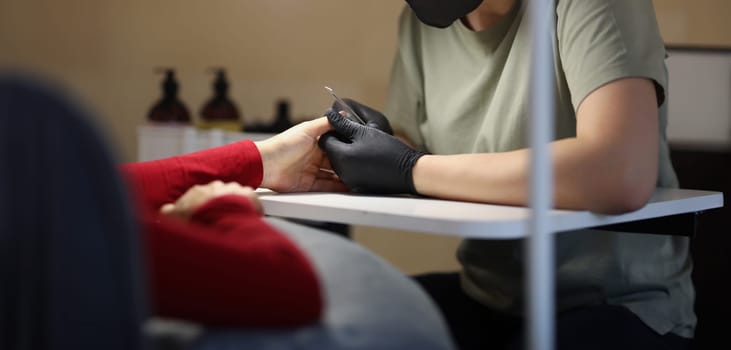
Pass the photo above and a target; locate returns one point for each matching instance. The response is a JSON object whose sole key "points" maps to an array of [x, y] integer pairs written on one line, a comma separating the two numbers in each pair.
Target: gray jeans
{"points": [[369, 304]]}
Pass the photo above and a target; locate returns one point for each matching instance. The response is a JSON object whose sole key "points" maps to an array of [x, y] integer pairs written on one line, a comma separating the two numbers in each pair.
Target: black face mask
{"points": [[442, 13]]}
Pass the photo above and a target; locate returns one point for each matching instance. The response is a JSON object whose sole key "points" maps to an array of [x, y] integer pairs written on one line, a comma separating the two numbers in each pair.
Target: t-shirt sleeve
{"points": [[605, 40], [227, 267], [157, 182], [404, 102]]}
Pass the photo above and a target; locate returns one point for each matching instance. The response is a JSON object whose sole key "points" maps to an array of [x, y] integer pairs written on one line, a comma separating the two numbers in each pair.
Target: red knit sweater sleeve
{"points": [[225, 266], [163, 181]]}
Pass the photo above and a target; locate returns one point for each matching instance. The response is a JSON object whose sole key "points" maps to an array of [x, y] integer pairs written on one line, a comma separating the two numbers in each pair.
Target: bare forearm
{"points": [[591, 177]]}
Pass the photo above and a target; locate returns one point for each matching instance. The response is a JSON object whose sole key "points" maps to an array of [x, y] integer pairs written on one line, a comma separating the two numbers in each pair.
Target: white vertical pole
{"points": [[540, 247]]}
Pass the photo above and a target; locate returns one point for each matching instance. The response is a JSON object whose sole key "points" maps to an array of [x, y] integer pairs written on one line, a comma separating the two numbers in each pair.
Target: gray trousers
{"points": [[369, 304]]}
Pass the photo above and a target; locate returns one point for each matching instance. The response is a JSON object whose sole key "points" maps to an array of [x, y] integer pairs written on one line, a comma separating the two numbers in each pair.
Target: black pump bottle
{"points": [[219, 111], [169, 109]]}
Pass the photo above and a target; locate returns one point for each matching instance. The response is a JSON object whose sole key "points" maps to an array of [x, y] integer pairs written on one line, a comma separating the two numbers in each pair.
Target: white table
{"points": [[485, 221], [466, 219]]}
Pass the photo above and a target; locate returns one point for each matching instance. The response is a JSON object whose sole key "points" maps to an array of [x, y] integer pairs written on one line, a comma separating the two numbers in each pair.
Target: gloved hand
{"points": [[372, 117], [367, 159]]}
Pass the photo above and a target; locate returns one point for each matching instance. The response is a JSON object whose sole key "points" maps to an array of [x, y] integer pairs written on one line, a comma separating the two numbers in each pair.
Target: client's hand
{"points": [[293, 162], [200, 194]]}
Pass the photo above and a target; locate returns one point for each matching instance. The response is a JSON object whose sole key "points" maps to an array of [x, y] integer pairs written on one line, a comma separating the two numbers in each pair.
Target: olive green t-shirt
{"points": [[454, 90]]}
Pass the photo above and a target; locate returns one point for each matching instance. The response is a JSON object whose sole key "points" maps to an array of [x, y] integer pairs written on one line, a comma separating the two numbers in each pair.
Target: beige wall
{"points": [[697, 22], [105, 52]]}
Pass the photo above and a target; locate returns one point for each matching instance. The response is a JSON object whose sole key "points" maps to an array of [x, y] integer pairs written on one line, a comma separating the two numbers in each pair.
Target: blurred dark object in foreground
{"points": [[70, 274]]}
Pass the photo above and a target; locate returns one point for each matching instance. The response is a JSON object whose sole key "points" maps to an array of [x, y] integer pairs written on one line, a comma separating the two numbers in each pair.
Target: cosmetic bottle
{"points": [[219, 112], [282, 120], [169, 109]]}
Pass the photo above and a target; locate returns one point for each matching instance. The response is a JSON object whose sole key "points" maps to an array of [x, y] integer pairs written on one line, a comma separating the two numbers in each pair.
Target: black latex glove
{"points": [[368, 159], [372, 117]]}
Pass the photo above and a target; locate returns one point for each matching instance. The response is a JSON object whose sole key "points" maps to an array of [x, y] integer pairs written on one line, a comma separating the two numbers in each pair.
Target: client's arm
{"points": [[220, 264], [287, 162], [162, 181]]}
